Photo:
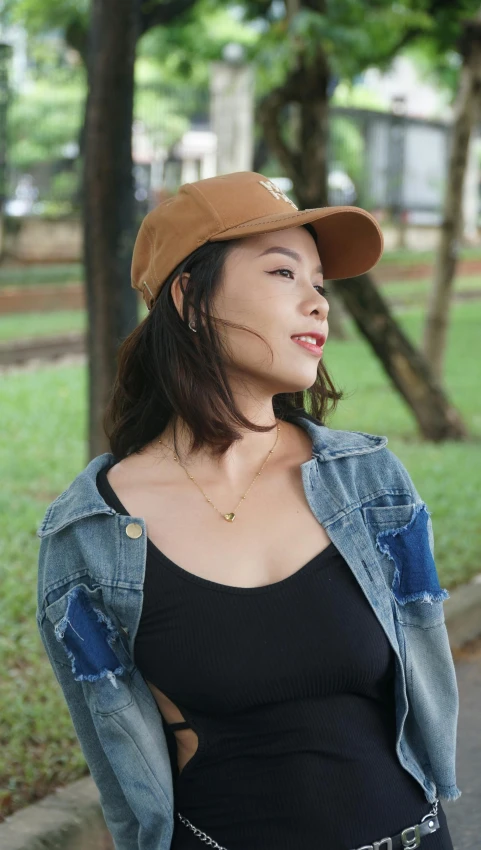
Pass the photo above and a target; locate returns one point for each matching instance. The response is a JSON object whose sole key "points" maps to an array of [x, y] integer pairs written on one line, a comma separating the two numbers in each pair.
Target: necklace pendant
{"points": [[229, 517]]}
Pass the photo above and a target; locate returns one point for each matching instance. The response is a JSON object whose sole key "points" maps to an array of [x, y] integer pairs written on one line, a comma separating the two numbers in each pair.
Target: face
{"points": [[273, 284]]}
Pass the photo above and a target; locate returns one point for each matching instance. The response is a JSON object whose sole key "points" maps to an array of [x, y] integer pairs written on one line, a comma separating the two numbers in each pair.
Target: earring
{"points": [[190, 326]]}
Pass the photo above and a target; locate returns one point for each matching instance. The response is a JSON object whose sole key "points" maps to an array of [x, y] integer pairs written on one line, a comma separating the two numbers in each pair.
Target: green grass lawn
{"points": [[409, 258], [15, 326], [40, 275], [415, 292], [44, 417]]}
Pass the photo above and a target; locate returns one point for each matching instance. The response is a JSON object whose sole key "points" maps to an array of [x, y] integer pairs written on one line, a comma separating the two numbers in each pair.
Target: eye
{"points": [[289, 271], [322, 290]]}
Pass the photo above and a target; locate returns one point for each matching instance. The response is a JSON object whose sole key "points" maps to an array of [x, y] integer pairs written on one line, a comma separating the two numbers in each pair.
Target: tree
{"points": [[304, 53], [342, 38], [107, 37], [467, 112], [39, 16], [108, 209]]}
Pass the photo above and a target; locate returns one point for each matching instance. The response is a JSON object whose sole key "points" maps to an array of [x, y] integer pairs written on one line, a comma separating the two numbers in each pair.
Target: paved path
{"points": [[464, 815]]}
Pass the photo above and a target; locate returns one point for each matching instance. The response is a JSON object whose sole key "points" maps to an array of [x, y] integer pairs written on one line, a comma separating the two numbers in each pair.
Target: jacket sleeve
{"points": [[405, 480], [431, 676], [118, 815]]}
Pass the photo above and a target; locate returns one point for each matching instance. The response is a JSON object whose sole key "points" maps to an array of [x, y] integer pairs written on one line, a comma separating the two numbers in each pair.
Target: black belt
{"points": [[409, 838]]}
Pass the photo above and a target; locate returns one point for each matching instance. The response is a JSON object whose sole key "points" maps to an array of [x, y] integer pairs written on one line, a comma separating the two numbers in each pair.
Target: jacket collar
{"points": [[82, 498]]}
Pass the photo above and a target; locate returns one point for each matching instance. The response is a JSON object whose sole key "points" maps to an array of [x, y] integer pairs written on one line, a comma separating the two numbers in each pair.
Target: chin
{"points": [[300, 384]]}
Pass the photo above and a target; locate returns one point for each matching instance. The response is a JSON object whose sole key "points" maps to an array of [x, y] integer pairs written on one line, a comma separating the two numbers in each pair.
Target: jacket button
{"points": [[133, 529]]}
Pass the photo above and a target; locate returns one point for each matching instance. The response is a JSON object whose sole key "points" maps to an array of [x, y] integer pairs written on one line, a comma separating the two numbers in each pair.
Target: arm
{"points": [[118, 815], [120, 819], [431, 676]]}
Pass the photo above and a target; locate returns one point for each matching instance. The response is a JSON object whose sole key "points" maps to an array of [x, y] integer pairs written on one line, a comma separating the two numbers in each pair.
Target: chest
{"points": [[267, 641], [274, 532]]}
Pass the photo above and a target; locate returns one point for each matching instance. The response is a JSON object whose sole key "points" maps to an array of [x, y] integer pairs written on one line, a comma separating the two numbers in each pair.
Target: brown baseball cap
{"points": [[231, 206]]}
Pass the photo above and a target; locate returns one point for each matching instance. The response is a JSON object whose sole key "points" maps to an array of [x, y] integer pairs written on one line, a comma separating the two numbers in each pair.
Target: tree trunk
{"points": [[305, 162], [408, 370], [467, 111], [108, 199]]}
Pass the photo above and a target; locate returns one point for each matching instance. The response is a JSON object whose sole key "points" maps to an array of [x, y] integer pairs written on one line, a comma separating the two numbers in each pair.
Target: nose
{"points": [[321, 307]]}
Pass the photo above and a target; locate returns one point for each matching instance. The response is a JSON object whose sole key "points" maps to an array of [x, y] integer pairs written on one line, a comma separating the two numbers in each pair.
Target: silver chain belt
{"points": [[202, 835], [211, 843]]}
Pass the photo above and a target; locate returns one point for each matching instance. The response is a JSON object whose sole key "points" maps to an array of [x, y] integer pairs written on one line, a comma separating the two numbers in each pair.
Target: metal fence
{"points": [[397, 163]]}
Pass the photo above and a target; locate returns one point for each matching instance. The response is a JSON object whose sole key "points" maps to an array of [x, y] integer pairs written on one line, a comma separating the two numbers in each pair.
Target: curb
{"points": [[71, 818]]}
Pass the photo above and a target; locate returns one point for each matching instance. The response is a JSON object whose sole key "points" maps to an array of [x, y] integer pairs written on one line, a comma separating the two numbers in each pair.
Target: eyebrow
{"points": [[289, 253]]}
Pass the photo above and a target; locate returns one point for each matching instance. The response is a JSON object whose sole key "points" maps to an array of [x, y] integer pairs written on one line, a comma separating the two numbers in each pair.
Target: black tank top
{"points": [[290, 690]]}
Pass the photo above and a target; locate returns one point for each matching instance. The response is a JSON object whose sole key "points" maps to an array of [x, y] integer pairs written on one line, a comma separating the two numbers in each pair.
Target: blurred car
{"points": [[26, 194], [341, 190]]}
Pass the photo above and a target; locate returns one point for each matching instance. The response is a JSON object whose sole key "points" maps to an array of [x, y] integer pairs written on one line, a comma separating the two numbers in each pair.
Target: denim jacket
{"points": [[90, 590]]}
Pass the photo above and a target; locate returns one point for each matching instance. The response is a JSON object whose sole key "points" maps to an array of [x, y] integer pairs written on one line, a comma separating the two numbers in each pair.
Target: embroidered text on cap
{"points": [[278, 194]]}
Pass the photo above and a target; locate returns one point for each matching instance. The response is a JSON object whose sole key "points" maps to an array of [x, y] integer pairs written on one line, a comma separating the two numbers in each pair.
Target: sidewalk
{"points": [[71, 818]]}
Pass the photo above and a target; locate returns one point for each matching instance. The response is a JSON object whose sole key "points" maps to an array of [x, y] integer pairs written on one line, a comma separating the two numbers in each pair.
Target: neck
{"points": [[243, 458]]}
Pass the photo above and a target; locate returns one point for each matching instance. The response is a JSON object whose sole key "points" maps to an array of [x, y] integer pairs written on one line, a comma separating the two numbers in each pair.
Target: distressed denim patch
{"points": [[415, 576], [86, 633]]}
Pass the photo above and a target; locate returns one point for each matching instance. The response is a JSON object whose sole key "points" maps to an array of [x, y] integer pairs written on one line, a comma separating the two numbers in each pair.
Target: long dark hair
{"points": [[165, 370]]}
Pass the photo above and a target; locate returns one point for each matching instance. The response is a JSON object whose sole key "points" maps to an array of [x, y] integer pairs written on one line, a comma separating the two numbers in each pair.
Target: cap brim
{"points": [[349, 239]]}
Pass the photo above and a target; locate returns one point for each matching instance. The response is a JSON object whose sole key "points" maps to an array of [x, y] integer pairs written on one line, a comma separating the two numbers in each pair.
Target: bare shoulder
{"points": [[138, 469], [298, 444]]}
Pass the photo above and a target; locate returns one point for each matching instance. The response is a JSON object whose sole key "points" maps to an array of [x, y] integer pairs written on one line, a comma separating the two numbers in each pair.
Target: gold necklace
{"points": [[229, 517]]}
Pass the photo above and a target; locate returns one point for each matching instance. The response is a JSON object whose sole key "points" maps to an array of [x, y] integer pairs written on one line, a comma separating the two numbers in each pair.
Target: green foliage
{"points": [[182, 51], [48, 56], [171, 74], [436, 67], [352, 34], [347, 144], [43, 15], [355, 35], [65, 184], [356, 95], [172, 69], [161, 115], [44, 118]]}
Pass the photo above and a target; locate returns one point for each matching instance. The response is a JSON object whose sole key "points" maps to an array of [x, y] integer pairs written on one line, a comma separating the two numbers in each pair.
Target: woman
{"points": [[240, 604]]}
